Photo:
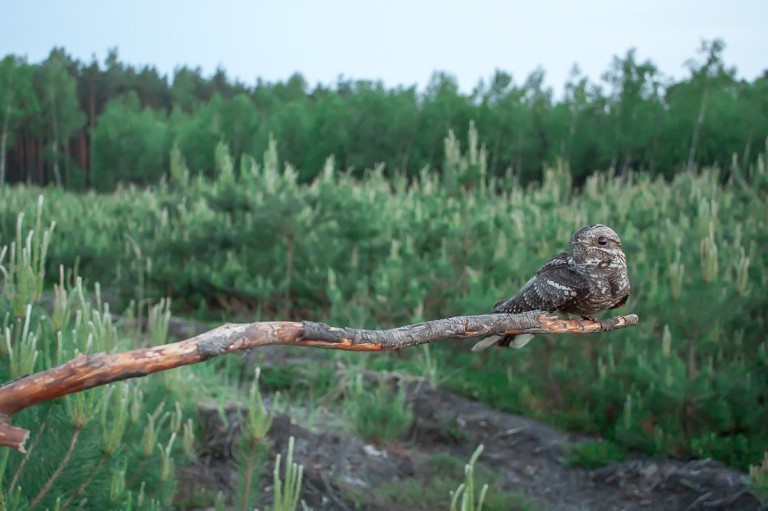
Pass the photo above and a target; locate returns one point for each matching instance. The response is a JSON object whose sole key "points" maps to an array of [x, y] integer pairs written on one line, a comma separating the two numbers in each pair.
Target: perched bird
{"points": [[589, 278]]}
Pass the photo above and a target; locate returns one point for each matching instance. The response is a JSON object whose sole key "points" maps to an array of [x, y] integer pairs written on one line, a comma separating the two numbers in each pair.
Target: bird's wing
{"points": [[559, 287], [554, 287], [514, 304], [559, 261]]}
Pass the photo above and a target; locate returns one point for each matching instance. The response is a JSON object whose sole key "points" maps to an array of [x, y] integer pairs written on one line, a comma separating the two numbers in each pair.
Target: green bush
{"points": [[380, 251], [594, 454], [380, 414], [112, 447], [758, 477], [464, 497], [440, 477]]}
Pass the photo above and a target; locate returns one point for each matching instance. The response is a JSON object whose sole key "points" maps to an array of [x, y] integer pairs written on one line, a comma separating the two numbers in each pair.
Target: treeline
{"points": [[83, 125]]}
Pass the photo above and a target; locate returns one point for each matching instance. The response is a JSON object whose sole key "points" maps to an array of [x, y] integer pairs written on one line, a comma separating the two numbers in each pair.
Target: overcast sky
{"points": [[400, 42]]}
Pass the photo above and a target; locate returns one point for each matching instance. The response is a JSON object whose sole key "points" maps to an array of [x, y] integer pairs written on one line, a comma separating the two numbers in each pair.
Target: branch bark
{"points": [[87, 371]]}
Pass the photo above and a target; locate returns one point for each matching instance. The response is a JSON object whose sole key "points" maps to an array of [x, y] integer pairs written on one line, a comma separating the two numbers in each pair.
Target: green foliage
{"points": [[385, 251], [287, 489], [432, 489], [117, 446], [593, 454], [634, 118], [93, 446], [315, 380], [378, 415], [25, 272], [253, 432], [464, 498], [17, 102], [59, 116], [758, 477], [130, 145]]}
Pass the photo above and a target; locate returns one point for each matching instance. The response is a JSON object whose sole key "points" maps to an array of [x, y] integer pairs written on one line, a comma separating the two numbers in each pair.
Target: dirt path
{"points": [[529, 455], [344, 473]]}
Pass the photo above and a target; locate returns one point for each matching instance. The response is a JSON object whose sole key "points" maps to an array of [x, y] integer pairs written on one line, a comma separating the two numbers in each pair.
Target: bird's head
{"points": [[598, 246]]}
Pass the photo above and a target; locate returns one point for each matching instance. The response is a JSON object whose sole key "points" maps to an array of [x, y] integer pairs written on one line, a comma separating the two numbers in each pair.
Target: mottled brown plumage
{"points": [[589, 278]]}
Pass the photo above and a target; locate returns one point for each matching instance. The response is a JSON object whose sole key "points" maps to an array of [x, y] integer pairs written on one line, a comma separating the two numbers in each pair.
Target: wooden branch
{"points": [[87, 371]]}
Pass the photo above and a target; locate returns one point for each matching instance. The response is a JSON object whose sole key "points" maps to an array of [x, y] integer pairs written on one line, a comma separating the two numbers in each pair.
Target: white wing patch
{"points": [[568, 290]]}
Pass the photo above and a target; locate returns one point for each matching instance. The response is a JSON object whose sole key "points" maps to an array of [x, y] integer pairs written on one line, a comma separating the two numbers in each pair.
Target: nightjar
{"points": [[589, 278]]}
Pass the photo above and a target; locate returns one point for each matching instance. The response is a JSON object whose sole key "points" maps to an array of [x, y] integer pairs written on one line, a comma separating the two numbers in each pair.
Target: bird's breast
{"points": [[606, 290]]}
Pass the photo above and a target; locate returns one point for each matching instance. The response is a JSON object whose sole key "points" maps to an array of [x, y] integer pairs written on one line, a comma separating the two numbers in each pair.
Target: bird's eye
{"points": [[602, 240]]}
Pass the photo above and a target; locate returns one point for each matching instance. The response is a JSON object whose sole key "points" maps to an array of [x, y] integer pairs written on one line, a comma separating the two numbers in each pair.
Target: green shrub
{"points": [[434, 487], [593, 454], [758, 477], [111, 447], [383, 251], [464, 497], [378, 414]]}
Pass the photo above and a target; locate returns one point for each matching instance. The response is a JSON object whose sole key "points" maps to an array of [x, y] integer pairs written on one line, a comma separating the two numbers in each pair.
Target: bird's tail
{"points": [[509, 306], [507, 341]]}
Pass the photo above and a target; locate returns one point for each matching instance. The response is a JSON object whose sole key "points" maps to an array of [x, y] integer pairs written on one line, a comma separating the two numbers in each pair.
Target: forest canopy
{"points": [[93, 125]]}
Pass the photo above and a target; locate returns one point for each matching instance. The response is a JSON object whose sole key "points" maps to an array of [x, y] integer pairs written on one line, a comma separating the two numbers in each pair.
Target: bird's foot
{"points": [[585, 318]]}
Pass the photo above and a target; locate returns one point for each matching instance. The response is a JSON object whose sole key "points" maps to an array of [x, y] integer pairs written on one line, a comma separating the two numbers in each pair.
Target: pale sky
{"points": [[400, 42]]}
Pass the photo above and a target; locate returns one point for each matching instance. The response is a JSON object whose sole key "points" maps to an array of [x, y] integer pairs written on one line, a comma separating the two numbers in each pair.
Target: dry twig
{"points": [[87, 371]]}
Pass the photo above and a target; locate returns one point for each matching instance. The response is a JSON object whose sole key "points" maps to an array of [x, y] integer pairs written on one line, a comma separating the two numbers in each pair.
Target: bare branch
{"points": [[87, 371]]}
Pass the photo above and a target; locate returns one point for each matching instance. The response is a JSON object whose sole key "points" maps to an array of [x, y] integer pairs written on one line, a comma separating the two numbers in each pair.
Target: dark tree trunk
{"points": [[3, 143], [40, 162], [696, 131]]}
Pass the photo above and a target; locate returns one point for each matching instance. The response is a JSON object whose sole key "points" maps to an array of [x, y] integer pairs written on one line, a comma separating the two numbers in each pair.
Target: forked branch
{"points": [[88, 371]]}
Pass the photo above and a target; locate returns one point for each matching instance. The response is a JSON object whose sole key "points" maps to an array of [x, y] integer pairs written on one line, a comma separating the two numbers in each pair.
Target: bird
{"points": [[589, 278]]}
